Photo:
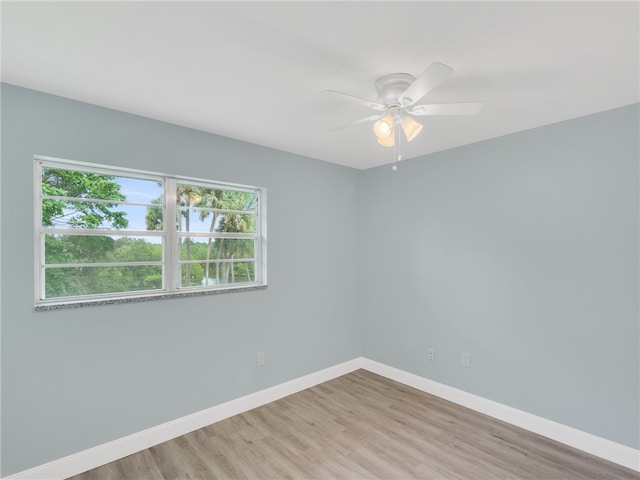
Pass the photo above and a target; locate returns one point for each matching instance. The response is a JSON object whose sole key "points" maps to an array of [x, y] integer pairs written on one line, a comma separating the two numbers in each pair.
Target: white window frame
{"points": [[170, 262]]}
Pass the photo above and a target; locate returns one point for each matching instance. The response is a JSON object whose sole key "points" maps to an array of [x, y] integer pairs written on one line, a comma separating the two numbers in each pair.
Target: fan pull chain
{"points": [[396, 151]]}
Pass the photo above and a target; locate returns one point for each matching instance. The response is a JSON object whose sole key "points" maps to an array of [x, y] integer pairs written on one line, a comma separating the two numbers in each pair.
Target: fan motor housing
{"points": [[390, 87]]}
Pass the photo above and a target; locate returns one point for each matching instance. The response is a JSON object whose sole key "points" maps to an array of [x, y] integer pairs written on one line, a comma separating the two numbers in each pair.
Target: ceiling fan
{"points": [[397, 97]]}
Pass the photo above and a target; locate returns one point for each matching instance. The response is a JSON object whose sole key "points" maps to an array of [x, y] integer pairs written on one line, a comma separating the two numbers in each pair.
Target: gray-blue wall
{"points": [[522, 251], [76, 378]]}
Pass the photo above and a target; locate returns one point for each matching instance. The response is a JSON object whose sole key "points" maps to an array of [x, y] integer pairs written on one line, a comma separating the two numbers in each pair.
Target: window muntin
{"points": [[103, 233]]}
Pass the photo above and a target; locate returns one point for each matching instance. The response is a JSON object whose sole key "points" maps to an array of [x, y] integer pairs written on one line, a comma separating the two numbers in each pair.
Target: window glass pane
{"points": [[208, 197], [217, 273], [101, 249], [73, 281], [194, 248], [200, 220], [61, 213], [107, 216], [194, 203], [79, 184]]}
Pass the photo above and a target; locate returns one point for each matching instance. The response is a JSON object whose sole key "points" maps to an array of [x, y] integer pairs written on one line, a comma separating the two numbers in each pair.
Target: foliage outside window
{"points": [[105, 233]]}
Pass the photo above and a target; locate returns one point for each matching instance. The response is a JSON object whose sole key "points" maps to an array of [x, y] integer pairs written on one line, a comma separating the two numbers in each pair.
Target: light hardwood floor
{"points": [[360, 426]]}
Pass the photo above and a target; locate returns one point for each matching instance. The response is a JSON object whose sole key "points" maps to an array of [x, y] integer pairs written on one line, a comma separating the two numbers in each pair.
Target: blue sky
{"points": [[137, 190]]}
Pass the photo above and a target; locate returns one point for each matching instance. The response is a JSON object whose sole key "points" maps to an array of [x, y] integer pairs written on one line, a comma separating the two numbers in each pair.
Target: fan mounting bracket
{"points": [[390, 87]]}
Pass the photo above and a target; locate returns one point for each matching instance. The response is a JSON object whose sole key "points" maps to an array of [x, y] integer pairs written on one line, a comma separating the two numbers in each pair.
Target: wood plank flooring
{"points": [[360, 426]]}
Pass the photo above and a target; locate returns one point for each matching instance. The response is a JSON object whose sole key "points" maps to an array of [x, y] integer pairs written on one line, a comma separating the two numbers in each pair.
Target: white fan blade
{"points": [[361, 101], [362, 120], [446, 109], [434, 75]]}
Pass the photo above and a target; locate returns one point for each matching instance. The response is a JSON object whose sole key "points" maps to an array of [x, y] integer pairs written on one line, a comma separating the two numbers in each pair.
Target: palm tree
{"points": [[236, 223], [186, 196], [207, 200], [211, 199]]}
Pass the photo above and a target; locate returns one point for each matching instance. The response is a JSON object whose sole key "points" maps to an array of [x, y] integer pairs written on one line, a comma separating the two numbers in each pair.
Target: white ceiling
{"points": [[254, 70]]}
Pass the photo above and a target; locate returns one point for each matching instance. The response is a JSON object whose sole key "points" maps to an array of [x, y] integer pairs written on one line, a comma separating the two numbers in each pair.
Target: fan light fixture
{"points": [[385, 130], [411, 128]]}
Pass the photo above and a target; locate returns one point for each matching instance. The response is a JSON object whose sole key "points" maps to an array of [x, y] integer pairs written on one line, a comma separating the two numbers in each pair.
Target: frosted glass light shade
{"points": [[411, 128], [383, 128], [388, 141]]}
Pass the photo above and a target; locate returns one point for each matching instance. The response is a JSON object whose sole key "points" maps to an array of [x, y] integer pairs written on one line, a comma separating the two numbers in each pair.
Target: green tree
{"points": [[78, 213], [205, 199], [69, 210], [212, 199], [153, 218], [234, 222], [187, 197]]}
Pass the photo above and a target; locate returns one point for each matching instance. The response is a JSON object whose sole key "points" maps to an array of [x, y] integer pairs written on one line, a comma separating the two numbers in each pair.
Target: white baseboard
{"points": [[122, 447], [598, 446]]}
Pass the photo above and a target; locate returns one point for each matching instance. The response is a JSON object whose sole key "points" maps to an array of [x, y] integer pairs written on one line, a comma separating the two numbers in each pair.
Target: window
{"points": [[105, 233]]}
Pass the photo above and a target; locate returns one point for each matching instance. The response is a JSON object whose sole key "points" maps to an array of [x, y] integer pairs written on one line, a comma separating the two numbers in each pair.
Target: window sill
{"points": [[143, 298]]}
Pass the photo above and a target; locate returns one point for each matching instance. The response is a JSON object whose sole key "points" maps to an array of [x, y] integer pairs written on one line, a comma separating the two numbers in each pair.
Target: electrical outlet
{"points": [[260, 359], [466, 359], [431, 355]]}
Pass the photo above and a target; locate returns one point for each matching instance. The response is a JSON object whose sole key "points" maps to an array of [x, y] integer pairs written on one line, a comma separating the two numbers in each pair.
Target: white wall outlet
{"points": [[431, 355], [466, 359], [260, 359]]}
